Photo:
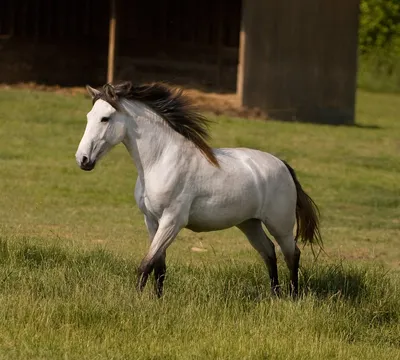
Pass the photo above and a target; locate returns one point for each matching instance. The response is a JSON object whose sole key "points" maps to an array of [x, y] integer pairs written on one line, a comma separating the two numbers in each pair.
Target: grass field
{"points": [[70, 242]]}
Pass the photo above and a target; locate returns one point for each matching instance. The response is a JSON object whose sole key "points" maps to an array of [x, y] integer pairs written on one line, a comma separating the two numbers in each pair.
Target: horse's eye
{"points": [[105, 119]]}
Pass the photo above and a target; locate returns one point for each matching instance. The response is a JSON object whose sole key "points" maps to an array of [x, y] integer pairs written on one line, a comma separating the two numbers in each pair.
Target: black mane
{"points": [[170, 104]]}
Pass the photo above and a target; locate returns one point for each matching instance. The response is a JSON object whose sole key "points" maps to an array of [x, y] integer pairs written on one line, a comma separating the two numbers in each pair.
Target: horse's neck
{"points": [[150, 142]]}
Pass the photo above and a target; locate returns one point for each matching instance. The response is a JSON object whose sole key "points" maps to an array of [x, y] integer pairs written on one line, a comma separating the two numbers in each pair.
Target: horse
{"points": [[184, 183]]}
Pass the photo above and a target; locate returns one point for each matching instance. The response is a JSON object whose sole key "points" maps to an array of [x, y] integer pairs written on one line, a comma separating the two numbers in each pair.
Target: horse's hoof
{"points": [[276, 291]]}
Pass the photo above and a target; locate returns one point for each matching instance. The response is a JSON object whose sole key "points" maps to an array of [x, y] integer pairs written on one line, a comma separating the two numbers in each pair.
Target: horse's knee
{"points": [[146, 266], [288, 248], [297, 254]]}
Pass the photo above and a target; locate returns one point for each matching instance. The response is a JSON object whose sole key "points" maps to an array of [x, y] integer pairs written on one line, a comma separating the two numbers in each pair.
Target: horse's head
{"points": [[105, 128]]}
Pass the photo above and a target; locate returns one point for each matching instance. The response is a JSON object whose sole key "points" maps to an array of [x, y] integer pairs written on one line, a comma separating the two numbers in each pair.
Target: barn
{"points": [[295, 60]]}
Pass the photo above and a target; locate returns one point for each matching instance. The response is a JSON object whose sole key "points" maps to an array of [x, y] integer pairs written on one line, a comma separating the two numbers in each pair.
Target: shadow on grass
{"points": [[251, 282], [334, 281], [354, 125], [363, 126]]}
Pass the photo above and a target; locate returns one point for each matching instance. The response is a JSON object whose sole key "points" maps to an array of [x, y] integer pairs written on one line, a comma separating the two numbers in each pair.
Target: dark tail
{"points": [[307, 214]]}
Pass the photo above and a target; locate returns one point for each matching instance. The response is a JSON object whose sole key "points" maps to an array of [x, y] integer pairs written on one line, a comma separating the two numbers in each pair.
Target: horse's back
{"points": [[262, 167]]}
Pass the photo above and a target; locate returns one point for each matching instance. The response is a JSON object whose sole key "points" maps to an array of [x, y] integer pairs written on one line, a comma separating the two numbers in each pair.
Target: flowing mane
{"points": [[169, 103]]}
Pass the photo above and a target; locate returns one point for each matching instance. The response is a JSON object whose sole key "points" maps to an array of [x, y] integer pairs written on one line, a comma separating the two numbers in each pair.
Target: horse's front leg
{"points": [[166, 232], [160, 267], [152, 227]]}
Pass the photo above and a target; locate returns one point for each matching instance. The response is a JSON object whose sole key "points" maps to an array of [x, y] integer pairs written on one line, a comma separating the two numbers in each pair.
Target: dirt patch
{"points": [[211, 102], [223, 104]]}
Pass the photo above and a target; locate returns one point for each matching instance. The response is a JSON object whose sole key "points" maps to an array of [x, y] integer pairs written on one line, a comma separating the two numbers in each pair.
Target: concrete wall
{"points": [[298, 59]]}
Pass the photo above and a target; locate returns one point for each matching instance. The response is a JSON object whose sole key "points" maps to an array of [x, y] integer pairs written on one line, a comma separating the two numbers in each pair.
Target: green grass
{"points": [[70, 242]]}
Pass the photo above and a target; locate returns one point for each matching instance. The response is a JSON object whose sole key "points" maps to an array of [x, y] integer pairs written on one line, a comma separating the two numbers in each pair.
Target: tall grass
{"points": [[61, 302]]}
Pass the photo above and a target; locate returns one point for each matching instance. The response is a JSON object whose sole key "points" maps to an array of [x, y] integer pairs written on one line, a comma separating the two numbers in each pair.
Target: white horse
{"points": [[183, 183]]}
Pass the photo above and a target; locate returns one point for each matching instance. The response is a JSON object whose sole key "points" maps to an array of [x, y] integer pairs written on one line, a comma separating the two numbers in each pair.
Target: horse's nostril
{"points": [[86, 164], [85, 160]]}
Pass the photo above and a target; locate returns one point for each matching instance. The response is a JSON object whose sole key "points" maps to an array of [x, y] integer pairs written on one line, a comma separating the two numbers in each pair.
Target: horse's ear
{"points": [[92, 91]]}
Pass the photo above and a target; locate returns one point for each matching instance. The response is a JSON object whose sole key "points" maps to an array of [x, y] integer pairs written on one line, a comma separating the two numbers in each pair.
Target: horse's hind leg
{"points": [[280, 223], [259, 240], [291, 252]]}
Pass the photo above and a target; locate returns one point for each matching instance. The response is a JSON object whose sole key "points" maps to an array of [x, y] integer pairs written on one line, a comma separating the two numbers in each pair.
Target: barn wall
{"points": [[50, 64], [65, 41], [299, 58]]}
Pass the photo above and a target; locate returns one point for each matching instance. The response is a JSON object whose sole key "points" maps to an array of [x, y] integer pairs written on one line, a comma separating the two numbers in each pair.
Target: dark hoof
{"points": [[294, 293], [276, 291], [142, 278]]}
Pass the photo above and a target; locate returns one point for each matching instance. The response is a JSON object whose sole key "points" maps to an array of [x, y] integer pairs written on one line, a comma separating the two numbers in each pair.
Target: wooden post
{"points": [[111, 42], [241, 64]]}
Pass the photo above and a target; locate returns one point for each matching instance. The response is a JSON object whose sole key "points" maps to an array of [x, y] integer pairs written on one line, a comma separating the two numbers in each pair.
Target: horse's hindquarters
{"points": [[250, 185]]}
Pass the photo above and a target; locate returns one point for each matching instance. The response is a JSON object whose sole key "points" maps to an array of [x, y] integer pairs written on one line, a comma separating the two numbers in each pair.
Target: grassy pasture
{"points": [[70, 242]]}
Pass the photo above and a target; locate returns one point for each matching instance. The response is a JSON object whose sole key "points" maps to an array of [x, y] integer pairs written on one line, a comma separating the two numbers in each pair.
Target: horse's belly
{"points": [[205, 216], [213, 224]]}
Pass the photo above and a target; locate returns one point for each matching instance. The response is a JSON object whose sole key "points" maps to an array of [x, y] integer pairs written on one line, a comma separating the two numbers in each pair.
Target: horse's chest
{"points": [[156, 192], [149, 204], [140, 197], [152, 206]]}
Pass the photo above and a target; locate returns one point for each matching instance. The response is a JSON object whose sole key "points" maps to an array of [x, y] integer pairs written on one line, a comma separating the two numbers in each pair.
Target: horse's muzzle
{"points": [[86, 164]]}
